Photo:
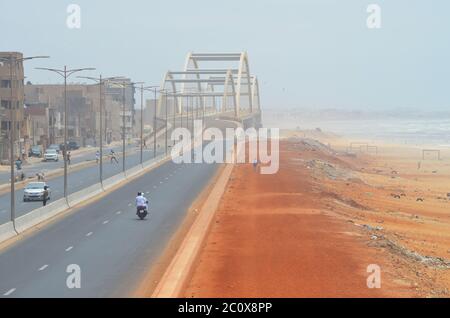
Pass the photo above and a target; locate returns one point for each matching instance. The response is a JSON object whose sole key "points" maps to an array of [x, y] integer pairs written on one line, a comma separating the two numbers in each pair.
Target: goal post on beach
{"points": [[429, 151], [358, 145], [372, 148]]}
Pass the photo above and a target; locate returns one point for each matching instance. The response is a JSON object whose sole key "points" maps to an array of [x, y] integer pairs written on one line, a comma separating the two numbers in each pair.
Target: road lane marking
{"points": [[69, 248], [160, 182], [89, 234], [129, 204], [105, 222], [9, 292], [43, 267], [167, 178], [154, 187], [118, 212]]}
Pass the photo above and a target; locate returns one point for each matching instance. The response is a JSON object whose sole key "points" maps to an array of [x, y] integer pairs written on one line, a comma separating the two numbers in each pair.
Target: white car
{"points": [[34, 191], [51, 154]]}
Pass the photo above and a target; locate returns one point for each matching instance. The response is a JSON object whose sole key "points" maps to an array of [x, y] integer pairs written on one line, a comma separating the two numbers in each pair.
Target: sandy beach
{"points": [[333, 208]]}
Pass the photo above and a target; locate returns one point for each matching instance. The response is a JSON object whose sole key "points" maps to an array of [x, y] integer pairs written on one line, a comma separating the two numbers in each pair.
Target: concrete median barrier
{"points": [[130, 173], [149, 163], [39, 215], [6, 231], [113, 181], [84, 195], [152, 162]]}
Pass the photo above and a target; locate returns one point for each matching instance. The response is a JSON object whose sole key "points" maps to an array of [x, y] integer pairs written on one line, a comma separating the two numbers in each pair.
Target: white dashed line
{"points": [[154, 187], [118, 212], [147, 192], [43, 267], [167, 178], [9, 292], [69, 248], [105, 222], [160, 182], [129, 204], [89, 234]]}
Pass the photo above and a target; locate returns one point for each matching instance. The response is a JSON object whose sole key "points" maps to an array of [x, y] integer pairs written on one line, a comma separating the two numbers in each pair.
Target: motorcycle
{"points": [[142, 211]]}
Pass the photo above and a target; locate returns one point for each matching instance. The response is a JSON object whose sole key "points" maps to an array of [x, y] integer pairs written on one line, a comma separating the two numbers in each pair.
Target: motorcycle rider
{"points": [[141, 202]]}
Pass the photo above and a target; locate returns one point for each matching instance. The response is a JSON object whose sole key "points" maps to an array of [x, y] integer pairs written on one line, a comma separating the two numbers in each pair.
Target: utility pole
{"points": [[65, 73], [123, 128], [142, 121], [142, 89], [101, 83], [165, 106], [154, 125], [123, 84]]}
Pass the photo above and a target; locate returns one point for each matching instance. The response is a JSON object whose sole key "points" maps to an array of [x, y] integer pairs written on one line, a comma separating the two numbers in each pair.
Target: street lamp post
{"points": [[123, 84], [174, 114], [13, 62], [101, 82], [142, 89], [65, 73], [165, 106]]}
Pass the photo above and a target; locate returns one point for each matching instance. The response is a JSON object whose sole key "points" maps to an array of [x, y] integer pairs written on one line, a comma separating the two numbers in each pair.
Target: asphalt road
{"points": [[84, 177], [77, 180], [105, 239], [110, 245]]}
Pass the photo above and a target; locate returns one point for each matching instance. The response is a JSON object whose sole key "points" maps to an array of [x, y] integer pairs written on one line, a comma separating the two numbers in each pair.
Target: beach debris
{"points": [[448, 195], [395, 196], [372, 228], [437, 262], [374, 237], [331, 171], [419, 199]]}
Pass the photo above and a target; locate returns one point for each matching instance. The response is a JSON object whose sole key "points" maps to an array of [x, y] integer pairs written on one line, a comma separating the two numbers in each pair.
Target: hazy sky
{"points": [[317, 52]]}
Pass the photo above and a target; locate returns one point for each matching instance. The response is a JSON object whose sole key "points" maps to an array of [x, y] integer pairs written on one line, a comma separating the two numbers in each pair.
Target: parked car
{"points": [[55, 147], [50, 154], [34, 191], [71, 145], [35, 151]]}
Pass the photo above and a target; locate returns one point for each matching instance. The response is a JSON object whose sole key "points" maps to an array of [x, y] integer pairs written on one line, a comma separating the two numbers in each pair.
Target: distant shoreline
{"points": [[412, 132]]}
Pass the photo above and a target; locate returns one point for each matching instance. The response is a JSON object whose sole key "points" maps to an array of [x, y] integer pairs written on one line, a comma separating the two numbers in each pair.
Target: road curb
{"points": [[6, 231], [177, 274]]}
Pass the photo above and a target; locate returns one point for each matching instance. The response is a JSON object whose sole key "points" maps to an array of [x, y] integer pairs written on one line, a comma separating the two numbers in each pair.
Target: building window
{"points": [[5, 84], [5, 125], [6, 104]]}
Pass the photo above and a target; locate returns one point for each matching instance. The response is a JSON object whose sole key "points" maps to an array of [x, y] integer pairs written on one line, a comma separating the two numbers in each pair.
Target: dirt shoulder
{"points": [[296, 234]]}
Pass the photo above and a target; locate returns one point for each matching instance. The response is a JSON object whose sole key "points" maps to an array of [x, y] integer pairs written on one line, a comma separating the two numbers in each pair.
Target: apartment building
{"points": [[11, 103], [83, 108]]}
